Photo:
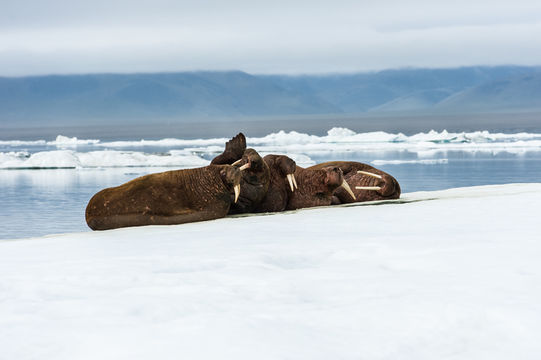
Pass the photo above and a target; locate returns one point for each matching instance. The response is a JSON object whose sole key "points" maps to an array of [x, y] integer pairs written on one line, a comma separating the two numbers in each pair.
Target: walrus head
{"points": [[231, 178], [335, 179], [285, 167], [250, 161], [384, 184]]}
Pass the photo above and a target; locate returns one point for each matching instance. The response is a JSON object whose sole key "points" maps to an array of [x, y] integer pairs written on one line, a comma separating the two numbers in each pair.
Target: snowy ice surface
{"points": [[291, 143], [104, 158], [452, 274]]}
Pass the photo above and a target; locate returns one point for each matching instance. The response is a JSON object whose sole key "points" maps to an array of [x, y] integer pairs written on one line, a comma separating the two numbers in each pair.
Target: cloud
{"points": [[275, 37]]}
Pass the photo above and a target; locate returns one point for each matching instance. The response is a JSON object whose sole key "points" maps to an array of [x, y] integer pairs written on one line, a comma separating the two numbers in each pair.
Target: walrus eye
{"points": [[369, 174]]}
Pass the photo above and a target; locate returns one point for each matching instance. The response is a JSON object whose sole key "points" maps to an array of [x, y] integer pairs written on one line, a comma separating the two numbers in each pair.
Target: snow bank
{"points": [[105, 158], [447, 274], [294, 144]]}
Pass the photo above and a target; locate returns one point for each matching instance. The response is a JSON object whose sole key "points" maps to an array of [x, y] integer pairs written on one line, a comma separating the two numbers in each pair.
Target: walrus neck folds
{"points": [[313, 181], [200, 181]]}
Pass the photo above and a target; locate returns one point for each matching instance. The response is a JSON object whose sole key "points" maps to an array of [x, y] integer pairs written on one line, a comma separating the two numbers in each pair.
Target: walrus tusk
{"points": [[237, 192], [290, 179], [294, 181], [368, 188], [245, 166], [345, 185], [370, 174], [236, 162]]}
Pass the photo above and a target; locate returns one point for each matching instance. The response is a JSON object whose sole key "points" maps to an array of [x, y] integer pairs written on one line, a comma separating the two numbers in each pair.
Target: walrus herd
{"points": [[237, 181]]}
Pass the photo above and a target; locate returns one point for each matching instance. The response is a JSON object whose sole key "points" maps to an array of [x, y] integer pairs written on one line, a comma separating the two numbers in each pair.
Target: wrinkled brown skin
{"points": [[255, 180], [254, 183], [171, 197], [279, 190], [390, 189], [316, 187]]}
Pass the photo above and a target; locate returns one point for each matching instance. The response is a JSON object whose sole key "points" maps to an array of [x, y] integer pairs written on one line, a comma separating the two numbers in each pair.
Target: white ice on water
{"points": [[104, 158], [456, 275], [182, 152]]}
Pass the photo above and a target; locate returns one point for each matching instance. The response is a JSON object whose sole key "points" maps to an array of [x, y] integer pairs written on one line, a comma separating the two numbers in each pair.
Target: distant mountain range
{"points": [[104, 98]]}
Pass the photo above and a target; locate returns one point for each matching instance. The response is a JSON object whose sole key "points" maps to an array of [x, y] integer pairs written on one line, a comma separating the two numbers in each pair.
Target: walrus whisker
{"points": [[369, 174], [345, 185], [375, 188], [236, 162], [237, 192], [245, 166], [294, 181], [290, 180]]}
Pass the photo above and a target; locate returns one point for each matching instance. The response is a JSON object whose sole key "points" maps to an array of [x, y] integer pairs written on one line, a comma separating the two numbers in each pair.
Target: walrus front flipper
{"points": [[234, 149]]}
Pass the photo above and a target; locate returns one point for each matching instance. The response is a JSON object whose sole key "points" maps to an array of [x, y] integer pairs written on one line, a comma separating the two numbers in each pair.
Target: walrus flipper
{"points": [[234, 149]]}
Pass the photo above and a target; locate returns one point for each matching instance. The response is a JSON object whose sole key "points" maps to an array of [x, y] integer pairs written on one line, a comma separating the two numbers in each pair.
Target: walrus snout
{"points": [[390, 187], [384, 184], [231, 177]]}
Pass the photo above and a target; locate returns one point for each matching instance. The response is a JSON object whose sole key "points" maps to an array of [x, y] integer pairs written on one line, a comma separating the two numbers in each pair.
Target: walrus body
{"points": [[171, 197], [255, 178], [315, 187], [389, 187], [254, 182], [281, 170]]}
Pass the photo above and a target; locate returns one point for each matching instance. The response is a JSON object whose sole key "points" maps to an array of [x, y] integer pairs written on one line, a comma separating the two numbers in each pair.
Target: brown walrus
{"points": [[367, 182], [171, 197], [282, 183], [254, 182], [255, 173], [316, 187]]}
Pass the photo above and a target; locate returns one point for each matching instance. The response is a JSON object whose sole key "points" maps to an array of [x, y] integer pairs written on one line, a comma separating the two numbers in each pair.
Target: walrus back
{"points": [[171, 197]]}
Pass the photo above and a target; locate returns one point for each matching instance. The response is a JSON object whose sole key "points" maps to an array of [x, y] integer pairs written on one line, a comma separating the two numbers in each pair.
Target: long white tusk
{"points": [[370, 174], [236, 162], [345, 185], [294, 181], [368, 188], [289, 178], [245, 166], [237, 192]]}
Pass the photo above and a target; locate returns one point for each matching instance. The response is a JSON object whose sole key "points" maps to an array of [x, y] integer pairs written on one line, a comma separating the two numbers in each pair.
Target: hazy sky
{"points": [[278, 36]]}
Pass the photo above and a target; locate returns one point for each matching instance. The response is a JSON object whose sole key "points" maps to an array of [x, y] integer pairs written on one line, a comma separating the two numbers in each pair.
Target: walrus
{"points": [[256, 175], [171, 197], [282, 183], [316, 187], [254, 183], [367, 182]]}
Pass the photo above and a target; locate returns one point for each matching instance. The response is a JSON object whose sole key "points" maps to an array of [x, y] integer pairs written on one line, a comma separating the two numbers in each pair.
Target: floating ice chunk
{"points": [[340, 132], [105, 158], [64, 141]]}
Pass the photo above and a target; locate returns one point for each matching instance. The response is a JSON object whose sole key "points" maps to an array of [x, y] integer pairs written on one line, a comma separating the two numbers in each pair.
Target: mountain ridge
{"points": [[153, 97]]}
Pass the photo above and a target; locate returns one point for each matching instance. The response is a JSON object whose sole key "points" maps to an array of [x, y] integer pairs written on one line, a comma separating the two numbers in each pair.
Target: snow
{"points": [[103, 158], [447, 274]]}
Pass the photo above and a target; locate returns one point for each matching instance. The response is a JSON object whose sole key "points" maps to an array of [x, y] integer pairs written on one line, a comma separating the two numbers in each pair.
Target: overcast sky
{"points": [[278, 36]]}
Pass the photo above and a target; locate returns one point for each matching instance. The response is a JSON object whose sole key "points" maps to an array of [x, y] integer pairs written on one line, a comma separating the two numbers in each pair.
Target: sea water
{"points": [[45, 184]]}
